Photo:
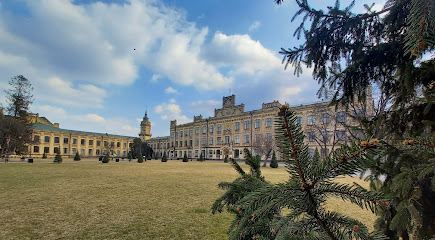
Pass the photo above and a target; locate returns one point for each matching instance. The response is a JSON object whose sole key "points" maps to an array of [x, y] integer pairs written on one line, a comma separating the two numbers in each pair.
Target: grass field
{"points": [[125, 200]]}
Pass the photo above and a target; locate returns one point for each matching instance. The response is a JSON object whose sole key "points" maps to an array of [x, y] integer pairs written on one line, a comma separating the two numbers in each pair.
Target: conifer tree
{"points": [[140, 158], [77, 157], [149, 157], [201, 158], [274, 162], [57, 158], [44, 156], [164, 158], [259, 212], [106, 158], [185, 159]]}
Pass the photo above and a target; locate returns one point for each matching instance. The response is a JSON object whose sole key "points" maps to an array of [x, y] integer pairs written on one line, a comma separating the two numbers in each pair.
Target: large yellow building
{"points": [[49, 138], [232, 129]]}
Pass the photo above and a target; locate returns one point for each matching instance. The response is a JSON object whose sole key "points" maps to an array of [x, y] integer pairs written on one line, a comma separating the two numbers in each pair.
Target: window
{"points": [[203, 153], [311, 137], [185, 133], [341, 117], [124, 153], [210, 153], [269, 136], [36, 138], [74, 150], [125, 145], [203, 141], [196, 153], [181, 143], [46, 149], [311, 152], [185, 143], [56, 139], [325, 136], [82, 151], [197, 130], [65, 150], [181, 133], [325, 118], [219, 128], [90, 151], [46, 139], [210, 141], [299, 120], [237, 127], [56, 150], [211, 128], [172, 134], [204, 129], [341, 135], [227, 139], [268, 122], [74, 140], [65, 140], [190, 143], [118, 144], [324, 152], [106, 143], [311, 120], [176, 134], [190, 132], [218, 140], [176, 143], [236, 153], [82, 141], [112, 144], [36, 149], [247, 124], [257, 137], [246, 138], [98, 143], [257, 123], [237, 139], [196, 141], [91, 142]]}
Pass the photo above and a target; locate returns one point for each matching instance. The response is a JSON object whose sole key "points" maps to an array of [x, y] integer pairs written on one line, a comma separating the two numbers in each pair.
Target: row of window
{"points": [[90, 151], [247, 125], [325, 136], [226, 140], [36, 138]]}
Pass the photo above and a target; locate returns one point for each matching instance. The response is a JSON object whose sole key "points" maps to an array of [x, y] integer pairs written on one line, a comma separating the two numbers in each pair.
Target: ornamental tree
{"points": [[185, 159], [274, 162], [77, 157], [57, 158]]}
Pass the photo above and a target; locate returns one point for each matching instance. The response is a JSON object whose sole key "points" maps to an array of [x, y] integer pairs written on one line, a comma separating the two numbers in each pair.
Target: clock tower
{"points": [[145, 128]]}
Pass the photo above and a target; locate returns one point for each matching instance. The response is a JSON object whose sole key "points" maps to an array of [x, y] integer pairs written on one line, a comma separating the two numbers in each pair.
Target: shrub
{"points": [[164, 158], [44, 155], [185, 159], [274, 162], [106, 158], [77, 157], [140, 158], [226, 159], [201, 158], [57, 158]]}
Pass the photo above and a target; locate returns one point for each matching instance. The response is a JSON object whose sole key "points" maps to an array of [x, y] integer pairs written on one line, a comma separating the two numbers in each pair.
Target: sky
{"points": [[99, 65]]}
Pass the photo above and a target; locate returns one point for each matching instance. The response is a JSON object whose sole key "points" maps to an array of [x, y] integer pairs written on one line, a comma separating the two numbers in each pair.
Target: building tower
{"points": [[145, 128]]}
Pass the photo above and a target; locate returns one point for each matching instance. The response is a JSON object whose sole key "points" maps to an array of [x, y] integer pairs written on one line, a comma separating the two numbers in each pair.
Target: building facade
{"points": [[232, 129], [48, 138]]}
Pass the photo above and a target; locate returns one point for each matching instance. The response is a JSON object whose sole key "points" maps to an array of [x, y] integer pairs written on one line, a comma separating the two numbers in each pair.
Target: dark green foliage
{"points": [[164, 158], [274, 162], [57, 158], [129, 155], [149, 157], [44, 156], [20, 96], [201, 158], [106, 158], [77, 157], [226, 159], [260, 211], [185, 159], [139, 148], [140, 159], [156, 157]]}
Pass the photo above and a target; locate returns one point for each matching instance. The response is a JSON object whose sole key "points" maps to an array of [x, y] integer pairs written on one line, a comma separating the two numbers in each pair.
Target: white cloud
{"points": [[171, 111], [170, 90], [205, 107], [172, 100], [155, 77], [254, 26]]}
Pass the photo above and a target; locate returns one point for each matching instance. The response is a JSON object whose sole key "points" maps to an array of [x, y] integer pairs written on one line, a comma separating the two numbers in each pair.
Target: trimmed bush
{"points": [[201, 158], [185, 159], [77, 157], [140, 158], [106, 158], [57, 158], [164, 158], [274, 162]]}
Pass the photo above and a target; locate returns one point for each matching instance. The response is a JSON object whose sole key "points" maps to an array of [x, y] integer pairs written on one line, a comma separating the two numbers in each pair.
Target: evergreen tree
{"points": [[259, 213], [201, 158], [274, 162], [185, 159], [164, 158], [347, 53], [140, 158], [20, 97], [77, 157], [106, 158], [57, 158], [149, 157], [44, 156]]}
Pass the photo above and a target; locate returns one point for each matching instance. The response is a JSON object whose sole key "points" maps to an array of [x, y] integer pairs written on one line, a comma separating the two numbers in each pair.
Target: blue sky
{"points": [[80, 57]]}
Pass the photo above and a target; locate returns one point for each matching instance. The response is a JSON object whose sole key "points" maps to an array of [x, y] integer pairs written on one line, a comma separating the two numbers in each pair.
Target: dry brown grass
{"points": [[126, 200]]}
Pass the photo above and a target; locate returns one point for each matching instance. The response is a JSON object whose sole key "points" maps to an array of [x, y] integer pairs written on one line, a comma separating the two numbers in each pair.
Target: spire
{"points": [[145, 118]]}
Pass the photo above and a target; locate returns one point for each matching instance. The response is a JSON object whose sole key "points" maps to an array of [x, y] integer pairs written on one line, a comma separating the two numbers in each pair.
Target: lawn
{"points": [[125, 200]]}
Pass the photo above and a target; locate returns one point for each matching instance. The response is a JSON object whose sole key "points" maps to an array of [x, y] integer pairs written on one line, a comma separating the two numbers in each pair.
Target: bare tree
{"points": [[264, 145]]}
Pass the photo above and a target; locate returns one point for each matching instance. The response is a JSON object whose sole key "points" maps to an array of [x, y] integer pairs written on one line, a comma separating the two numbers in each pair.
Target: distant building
{"points": [[232, 129], [49, 138]]}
